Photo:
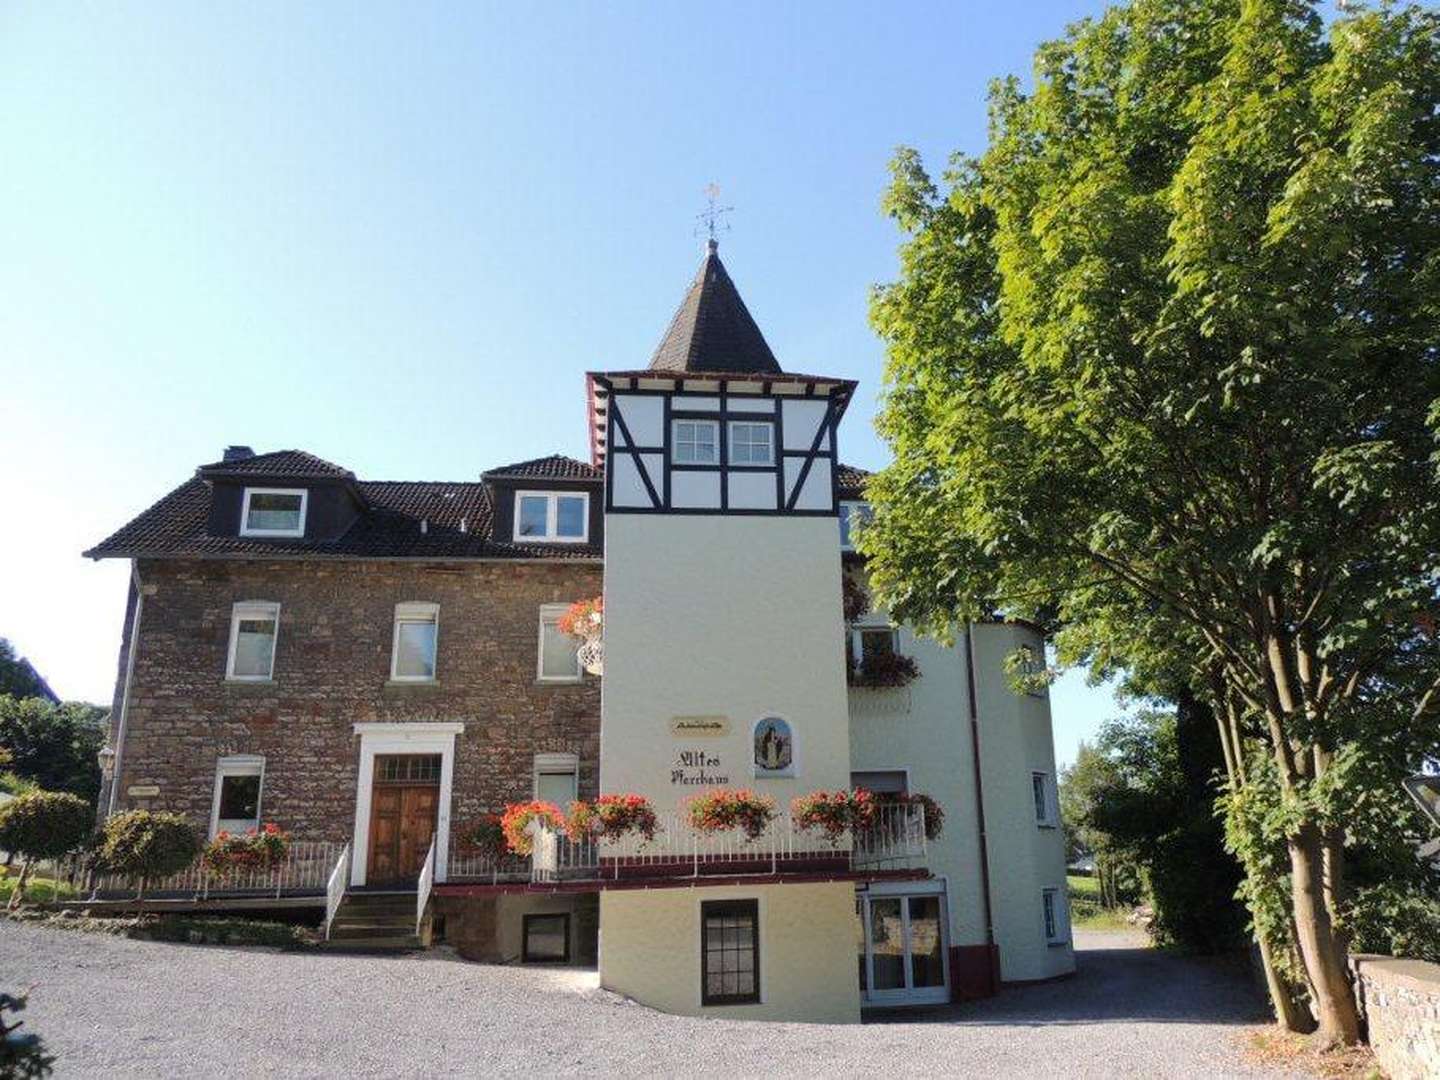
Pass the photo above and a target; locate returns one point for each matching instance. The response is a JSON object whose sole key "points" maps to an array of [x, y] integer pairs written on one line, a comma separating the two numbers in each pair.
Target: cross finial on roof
{"points": [[712, 218]]}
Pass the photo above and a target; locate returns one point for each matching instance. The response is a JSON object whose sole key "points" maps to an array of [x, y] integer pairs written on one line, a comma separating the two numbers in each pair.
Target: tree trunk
{"points": [[1320, 946], [18, 895], [1290, 1012]]}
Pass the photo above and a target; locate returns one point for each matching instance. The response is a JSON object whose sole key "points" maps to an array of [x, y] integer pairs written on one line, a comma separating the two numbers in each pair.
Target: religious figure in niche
{"points": [[773, 747]]}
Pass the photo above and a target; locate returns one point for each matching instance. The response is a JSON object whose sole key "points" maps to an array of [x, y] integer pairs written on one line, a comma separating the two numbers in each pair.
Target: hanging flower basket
{"points": [[612, 817], [726, 808], [834, 812], [257, 849], [585, 620], [885, 671], [515, 823]]}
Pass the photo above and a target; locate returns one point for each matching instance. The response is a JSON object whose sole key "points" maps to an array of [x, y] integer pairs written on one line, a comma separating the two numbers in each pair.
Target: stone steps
{"points": [[374, 922]]}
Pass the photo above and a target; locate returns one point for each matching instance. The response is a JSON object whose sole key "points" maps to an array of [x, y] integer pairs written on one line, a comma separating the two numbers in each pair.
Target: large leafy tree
{"points": [[1164, 358], [54, 746]]}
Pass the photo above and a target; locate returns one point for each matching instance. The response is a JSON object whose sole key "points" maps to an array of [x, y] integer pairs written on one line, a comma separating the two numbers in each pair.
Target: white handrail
{"points": [[335, 888], [422, 891]]}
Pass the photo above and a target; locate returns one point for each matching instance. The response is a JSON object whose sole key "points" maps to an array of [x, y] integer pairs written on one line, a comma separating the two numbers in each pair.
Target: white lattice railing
{"points": [[305, 870], [894, 840], [335, 887], [468, 866]]}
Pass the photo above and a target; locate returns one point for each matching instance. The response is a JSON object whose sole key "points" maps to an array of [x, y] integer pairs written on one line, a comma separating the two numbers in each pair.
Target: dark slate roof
{"points": [[713, 330], [281, 464], [554, 467], [850, 479], [458, 521]]}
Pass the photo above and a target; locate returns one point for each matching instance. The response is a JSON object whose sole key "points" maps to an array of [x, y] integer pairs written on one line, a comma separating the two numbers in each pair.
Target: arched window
{"points": [[774, 747]]}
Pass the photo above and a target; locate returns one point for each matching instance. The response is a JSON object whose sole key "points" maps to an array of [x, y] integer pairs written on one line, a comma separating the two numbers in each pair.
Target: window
{"points": [[555, 516], [870, 641], [557, 779], [254, 626], [853, 515], [729, 952], [696, 442], [1054, 916], [408, 768], [752, 443], [273, 512], [236, 807], [881, 781], [559, 656], [417, 626], [1044, 805], [546, 939]]}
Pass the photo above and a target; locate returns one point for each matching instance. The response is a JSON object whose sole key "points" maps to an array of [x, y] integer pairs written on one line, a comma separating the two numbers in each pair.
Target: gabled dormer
{"points": [[554, 500], [286, 495]]}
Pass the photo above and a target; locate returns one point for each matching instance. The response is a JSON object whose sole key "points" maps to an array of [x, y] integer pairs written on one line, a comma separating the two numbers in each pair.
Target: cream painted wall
{"points": [[1025, 859], [926, 728], [650, 950], [733, 616], [510, 912]]}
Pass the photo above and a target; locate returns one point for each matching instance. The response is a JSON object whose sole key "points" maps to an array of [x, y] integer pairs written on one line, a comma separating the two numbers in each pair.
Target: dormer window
{"points": [[560, 517], [273, 512]]}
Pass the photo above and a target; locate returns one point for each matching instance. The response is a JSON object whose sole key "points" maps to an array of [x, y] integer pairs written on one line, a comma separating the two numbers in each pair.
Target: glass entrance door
{"points": [[904, 948]]}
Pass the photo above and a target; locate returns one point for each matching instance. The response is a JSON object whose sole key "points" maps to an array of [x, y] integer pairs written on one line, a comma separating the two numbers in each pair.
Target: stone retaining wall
{"points": [[1401, 1003]]}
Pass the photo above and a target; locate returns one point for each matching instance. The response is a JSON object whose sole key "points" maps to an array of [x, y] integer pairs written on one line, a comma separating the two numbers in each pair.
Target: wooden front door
{"points": [[403, 808]]}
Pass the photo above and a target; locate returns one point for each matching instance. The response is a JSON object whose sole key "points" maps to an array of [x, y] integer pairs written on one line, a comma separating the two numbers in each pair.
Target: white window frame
{"points": [[713, 425], [245, 529], [1047, 797], [768, 425], [549, 613], [848, 508], [251, 609], [857, 640], [552, 517], [554, 764], [1059, 917], [414, 611], [237, 765]]}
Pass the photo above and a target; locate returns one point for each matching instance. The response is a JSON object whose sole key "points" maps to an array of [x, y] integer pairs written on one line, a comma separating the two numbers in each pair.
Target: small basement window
{"points": [[273, 512], [696, 442], [730, 952], [254, 628], [417, 629], [546, 939], [752, 443], [554, 516]]}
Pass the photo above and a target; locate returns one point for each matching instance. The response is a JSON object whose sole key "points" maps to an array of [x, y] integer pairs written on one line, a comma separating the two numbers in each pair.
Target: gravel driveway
{"points": [[113, 1007]]}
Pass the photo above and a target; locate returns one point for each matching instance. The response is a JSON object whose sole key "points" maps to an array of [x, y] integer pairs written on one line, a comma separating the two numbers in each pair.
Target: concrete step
{"points": [[372, 929], [403, 943]]}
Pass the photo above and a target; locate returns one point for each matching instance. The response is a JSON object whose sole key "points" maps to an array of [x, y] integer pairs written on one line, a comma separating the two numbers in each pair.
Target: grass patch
{"points": [[38, 890], [1086, 912]]}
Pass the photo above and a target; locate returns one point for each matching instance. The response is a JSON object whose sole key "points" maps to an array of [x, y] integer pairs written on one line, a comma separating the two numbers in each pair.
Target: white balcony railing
{"points": [[305, 870], [895, 840]]}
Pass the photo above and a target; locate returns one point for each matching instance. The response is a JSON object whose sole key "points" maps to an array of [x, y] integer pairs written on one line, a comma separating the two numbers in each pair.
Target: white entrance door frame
{"points": [[425, 737], [901, 890]]}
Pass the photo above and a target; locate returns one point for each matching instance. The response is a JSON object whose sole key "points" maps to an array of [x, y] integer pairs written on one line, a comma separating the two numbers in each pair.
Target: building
{"points": [[375, 666]]}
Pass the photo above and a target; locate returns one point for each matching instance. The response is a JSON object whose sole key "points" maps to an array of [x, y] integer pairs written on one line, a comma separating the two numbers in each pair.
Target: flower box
{"points": [[727, 808]]}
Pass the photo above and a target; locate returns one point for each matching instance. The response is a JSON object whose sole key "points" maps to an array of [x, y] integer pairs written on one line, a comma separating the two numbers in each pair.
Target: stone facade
{"points": [[332, 665], [1401, 1003]]}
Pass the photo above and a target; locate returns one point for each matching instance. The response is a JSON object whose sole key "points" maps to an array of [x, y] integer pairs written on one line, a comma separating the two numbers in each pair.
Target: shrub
{"points": [[611, 817], [834, 812], [258, 849], [485, 836], [884, 670], [143, 845], [1395, 919], [43, 825], [727, 808], [515, 823]]}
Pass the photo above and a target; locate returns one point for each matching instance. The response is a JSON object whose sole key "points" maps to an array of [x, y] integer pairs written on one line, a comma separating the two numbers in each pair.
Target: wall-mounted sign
{"points": [[143, 791], [697, 767], [704, 727], [774, 748]]}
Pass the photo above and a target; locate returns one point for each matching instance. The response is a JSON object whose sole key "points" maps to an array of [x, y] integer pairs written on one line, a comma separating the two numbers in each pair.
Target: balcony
{"points": [[893, 843]]}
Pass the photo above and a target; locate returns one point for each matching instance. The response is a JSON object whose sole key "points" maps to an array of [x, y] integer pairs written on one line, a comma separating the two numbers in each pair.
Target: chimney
{"points": [[237, 453]]}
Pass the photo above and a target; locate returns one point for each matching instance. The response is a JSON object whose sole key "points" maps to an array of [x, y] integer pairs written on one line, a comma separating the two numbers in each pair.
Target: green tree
{"points": [[1163, 357], [17, 677], [43, 825], [144, 845], [1083, 787], [52, 745]]}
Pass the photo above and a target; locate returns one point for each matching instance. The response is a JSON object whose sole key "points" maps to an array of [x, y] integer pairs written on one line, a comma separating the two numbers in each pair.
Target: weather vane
{"points": [[712, 218]]}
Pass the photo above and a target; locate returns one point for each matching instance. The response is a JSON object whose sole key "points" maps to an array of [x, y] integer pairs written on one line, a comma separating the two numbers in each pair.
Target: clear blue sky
{"points": [[398, 237]]}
